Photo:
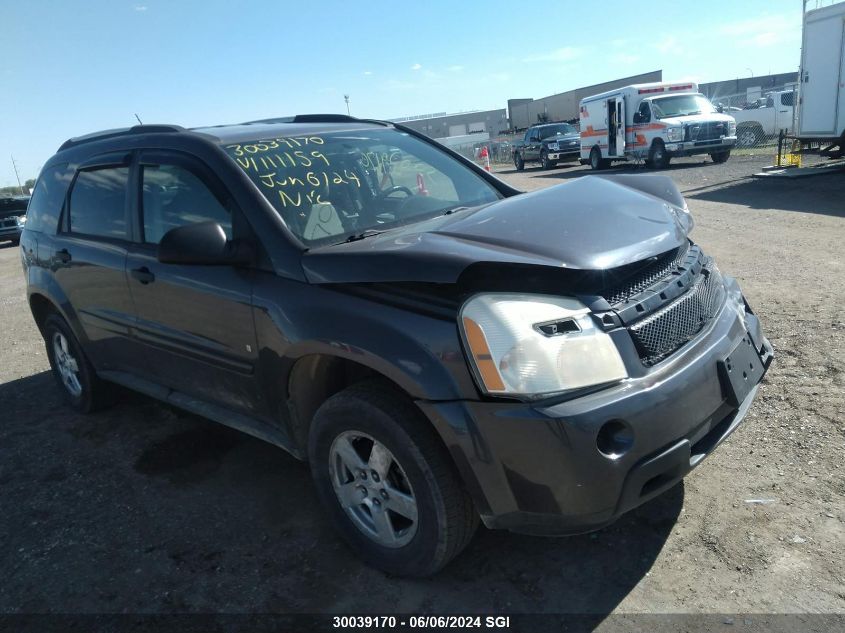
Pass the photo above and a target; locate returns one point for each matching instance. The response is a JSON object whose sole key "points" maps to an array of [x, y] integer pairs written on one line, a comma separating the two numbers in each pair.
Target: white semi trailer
{"points": [[821, 115]]}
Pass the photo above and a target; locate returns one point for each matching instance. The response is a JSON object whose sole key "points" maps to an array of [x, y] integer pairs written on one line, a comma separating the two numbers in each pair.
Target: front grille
{"points": [[707, 131], [665, 331], [663, 266], [8, 223]]}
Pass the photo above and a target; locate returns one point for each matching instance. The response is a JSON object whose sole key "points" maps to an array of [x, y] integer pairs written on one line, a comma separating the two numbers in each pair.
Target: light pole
{"points": [[346, 98], [749, 70], [17, 175]]}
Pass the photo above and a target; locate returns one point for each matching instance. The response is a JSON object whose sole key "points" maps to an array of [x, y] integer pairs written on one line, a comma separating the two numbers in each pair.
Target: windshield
{"points": [[563, 129], [681, 105], [333, 186]]}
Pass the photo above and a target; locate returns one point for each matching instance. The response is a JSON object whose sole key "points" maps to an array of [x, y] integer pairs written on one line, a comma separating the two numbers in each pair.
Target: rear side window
{"points": [[174, 196], [98, 203], [47, 199], [787, 98]]}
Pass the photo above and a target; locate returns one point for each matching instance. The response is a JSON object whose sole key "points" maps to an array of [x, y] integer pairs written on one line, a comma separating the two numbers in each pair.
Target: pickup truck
{"points": [[548, 144], [765, 118]]}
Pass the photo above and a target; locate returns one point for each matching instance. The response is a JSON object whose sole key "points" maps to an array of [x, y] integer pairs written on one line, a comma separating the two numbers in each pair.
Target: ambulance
{"points": [[653, 122]]}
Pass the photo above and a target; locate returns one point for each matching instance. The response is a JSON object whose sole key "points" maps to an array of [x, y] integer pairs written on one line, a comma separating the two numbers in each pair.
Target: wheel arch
{"points": [[316, 377], [46, 299]]}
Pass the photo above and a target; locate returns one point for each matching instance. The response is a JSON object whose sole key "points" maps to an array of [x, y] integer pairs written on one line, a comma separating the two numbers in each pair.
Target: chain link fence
{"points": [[761, 116]]}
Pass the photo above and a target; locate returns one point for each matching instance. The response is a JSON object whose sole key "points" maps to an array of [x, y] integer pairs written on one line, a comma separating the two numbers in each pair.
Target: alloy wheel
{"points": [[373, 489], [66, 364]]}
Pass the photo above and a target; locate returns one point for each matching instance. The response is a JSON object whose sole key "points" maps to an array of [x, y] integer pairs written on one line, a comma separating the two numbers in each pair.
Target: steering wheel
{"points": [[391, 190]]}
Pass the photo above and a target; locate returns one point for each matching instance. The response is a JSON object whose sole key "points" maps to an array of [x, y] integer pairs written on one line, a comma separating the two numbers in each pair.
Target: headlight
{"points": [[732, 128], [21, 220], [531, 345], [554, 147], [675, 134]]}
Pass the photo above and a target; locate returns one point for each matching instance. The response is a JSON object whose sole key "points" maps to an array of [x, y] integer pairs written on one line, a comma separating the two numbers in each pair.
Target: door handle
{"points": [[62, 256], [143, 274]]}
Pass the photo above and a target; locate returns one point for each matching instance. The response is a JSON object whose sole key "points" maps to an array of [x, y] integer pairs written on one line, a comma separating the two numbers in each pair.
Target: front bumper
{"points": [[565, 153], [689, 148], [536, 468]]}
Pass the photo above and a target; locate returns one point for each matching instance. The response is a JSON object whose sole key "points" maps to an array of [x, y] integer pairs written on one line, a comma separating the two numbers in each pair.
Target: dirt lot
{"points": [[142, 509]]}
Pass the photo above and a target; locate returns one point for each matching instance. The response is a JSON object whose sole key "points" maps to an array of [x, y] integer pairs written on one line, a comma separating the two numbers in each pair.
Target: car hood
{"points": [[562, 139], [590, 223], [696, 118]]}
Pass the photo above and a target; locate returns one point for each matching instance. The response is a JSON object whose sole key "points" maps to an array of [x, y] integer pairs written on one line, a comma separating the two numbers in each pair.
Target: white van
{"points": [[654, 122]]}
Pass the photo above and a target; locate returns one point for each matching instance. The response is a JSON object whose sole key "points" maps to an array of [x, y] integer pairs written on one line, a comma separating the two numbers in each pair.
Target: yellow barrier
{"points": [[789, 156]]}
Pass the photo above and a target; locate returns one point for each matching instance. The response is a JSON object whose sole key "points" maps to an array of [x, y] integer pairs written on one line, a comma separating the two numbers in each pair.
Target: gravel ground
{"points": [[143, 509]]}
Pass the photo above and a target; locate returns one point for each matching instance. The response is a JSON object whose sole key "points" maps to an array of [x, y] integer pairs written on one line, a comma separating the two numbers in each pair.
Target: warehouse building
{"points": [[563, 106], [441, 125], [750, 88]]}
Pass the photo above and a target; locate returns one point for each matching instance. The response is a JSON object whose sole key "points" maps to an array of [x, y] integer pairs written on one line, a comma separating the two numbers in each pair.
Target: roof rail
{"points": [[124, 131], [312, 118]]}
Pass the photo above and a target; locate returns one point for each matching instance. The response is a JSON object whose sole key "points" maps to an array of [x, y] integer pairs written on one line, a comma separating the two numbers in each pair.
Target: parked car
{"points": [[774, 113], [12, 217], [440, 347], [547, 144]]}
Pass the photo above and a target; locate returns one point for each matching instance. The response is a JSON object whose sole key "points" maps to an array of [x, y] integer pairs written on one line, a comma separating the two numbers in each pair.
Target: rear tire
{"points": [[387, 482], [658, 158], [596, 161], [720, 157], [80, 386], [518, 162]]}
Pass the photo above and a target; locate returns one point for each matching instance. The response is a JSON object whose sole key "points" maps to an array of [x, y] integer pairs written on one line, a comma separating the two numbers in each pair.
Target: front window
{"points": [[330, 187], [172, 197], [681, 105], [561, 129]]}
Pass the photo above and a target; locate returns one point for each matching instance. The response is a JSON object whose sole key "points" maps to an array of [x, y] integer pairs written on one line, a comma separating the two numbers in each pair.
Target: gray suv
{"points": [[442, 348]]}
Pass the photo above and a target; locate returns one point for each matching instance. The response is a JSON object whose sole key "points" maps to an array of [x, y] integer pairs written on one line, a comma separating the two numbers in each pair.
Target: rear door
{"points": [[88, 259], [195, 322]]}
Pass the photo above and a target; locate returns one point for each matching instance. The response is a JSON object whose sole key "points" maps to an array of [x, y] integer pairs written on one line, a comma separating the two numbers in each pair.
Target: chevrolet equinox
{"points": [[441, 348]]}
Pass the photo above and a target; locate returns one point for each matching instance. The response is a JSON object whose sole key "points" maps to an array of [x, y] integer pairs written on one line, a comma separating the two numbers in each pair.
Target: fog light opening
{"points": [[615, 438]]}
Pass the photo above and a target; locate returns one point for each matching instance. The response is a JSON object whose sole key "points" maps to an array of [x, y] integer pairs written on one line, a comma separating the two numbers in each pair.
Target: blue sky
{"points": [[69, 67]]}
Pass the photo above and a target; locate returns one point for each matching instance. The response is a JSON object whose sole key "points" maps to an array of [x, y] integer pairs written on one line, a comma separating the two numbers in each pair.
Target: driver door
{"points": [[195, 322]]}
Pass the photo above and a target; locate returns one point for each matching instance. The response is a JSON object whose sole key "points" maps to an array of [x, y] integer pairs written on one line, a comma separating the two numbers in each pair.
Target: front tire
{"points": [[658, 157], [545, 162], [80, 386], [749, 136], [387, 482], [518, 162]]}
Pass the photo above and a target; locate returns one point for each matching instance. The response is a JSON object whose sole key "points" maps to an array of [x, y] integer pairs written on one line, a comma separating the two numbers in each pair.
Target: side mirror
{"points": [[203, 243], [720, 108]]}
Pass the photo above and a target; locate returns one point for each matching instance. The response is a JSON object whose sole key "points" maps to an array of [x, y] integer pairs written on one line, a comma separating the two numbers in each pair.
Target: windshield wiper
{"points": [[360, 236], [455, 209]]}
